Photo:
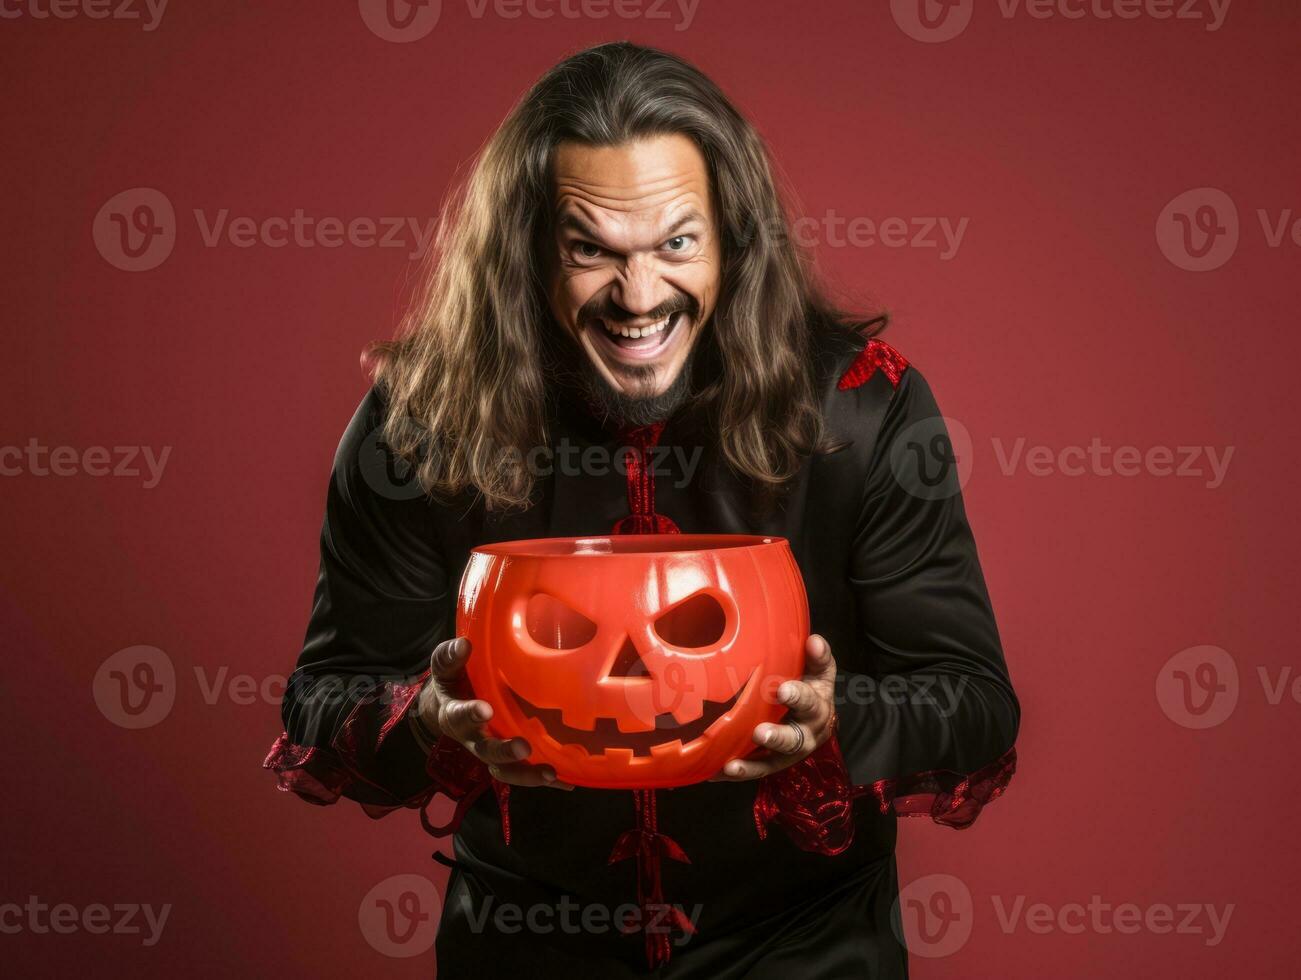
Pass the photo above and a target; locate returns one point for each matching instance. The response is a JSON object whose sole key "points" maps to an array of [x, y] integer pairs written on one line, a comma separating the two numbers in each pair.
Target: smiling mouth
{"points": [[606, 735], [643, 342]]}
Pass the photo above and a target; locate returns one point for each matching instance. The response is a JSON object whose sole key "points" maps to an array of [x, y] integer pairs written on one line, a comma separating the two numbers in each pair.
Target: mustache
{"points": [[604, 308]]}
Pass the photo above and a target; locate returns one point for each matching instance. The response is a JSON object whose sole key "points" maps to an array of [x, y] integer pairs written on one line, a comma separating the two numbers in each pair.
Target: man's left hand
{"points": [[811, 720]]}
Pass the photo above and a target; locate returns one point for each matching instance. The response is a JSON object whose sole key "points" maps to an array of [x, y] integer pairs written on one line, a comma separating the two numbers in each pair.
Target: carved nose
{"points": [[628, 663]]}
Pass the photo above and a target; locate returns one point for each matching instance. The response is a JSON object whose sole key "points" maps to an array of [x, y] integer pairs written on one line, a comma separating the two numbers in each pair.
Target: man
{"points": [[616, 275]]}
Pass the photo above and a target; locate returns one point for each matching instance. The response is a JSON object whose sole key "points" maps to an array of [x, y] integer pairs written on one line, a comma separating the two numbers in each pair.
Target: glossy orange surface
{"points": [[639, 661]]}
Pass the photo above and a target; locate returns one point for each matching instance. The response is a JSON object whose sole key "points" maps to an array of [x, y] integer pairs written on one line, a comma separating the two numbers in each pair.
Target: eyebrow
{"points": [[578, 223], [686, 219]]}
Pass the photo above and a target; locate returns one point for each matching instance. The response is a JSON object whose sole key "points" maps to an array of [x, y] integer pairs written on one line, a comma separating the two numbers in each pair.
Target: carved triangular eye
{"points": [[691, 625], [554, 625]]}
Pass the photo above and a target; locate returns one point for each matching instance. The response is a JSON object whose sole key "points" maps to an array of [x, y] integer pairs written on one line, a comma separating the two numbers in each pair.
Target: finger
{"points": [[782, 739], [447, 662], [526, 774], [497, 751], [755, 753], [805, 703], [463, 720], [742, 770], [818, 661]]}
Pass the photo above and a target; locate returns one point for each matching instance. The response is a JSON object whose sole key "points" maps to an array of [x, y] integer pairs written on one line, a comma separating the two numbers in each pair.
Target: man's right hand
{"points": [[445, 706]]}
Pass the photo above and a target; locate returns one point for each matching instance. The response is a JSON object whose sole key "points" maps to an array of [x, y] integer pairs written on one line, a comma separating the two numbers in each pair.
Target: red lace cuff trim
{"points": [[462, 778], [349, 767], [812, 801], [948, 798]]}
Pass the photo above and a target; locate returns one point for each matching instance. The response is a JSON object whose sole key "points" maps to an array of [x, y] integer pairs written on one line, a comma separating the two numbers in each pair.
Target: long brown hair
{"points": [[465, 380]]}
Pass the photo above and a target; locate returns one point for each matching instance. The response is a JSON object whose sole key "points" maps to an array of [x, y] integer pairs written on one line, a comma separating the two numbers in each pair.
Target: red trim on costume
{"points": [[644, 841], [649, 846], [641, 483], [949, 798], [321, 775], [812, 801], [876, 355]]}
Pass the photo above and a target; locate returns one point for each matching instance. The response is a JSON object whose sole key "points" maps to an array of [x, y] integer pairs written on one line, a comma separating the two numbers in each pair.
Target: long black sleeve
{"points": [[935, 704], [381, 605]]}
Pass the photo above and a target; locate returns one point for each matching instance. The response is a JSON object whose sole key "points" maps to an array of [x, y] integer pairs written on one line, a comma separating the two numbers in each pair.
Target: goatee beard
{"points": [[616, 410]]}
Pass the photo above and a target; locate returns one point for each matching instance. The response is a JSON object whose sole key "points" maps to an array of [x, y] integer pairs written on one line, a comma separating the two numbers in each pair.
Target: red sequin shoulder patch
{"points": [[877, 355]]}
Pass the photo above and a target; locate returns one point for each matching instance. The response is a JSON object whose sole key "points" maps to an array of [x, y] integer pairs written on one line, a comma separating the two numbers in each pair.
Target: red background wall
{"points": [[1069, 313]]}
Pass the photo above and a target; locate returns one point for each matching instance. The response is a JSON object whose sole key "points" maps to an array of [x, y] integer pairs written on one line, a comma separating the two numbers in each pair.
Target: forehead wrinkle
{"points": [[595, 222], [616, 196]]}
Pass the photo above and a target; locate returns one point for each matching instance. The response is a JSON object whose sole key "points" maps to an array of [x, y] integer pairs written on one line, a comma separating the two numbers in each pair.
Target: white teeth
{"points": [[636, 333]]}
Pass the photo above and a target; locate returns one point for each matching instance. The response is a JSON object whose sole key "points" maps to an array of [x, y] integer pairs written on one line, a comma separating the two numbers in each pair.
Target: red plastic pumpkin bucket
{"points": [[637, 661]]}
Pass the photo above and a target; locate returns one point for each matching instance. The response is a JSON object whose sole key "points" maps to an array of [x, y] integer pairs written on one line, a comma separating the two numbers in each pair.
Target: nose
{"points": [[637, 287], [628, 663]]}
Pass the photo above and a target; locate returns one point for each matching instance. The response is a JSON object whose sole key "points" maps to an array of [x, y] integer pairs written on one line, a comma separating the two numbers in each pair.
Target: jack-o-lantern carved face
{"points": [[642, 661]]}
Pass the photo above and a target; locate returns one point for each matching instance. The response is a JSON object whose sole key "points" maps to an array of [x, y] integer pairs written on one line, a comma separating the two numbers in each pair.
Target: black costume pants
{"points": [[845, 933]]}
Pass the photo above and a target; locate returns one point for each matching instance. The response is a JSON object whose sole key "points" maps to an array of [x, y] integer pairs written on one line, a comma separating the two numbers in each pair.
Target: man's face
{"points": [[636, 272]]}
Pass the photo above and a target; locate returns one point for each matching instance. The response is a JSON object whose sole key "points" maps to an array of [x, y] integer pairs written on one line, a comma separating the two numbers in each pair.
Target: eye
{"points": [[587, 250], [678, 243], [693, 624], [553, 625]]}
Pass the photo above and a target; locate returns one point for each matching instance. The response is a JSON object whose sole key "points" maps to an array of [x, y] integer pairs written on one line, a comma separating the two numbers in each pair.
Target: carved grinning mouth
{"points": [[606, 735]]}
